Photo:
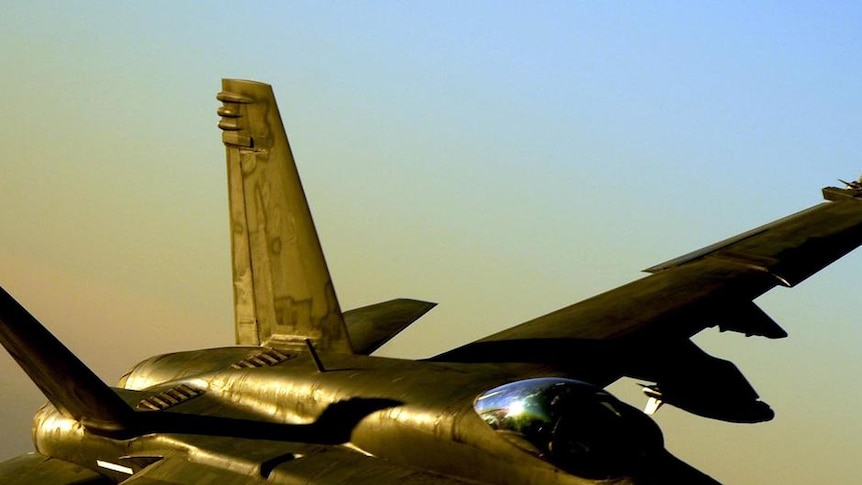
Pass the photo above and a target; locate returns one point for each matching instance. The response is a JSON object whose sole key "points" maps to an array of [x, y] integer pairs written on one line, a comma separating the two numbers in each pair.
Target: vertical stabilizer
{"points": [[283, 293]]}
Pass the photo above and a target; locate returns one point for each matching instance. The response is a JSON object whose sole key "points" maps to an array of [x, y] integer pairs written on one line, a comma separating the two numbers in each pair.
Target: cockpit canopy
{"points": [[572, 424]]}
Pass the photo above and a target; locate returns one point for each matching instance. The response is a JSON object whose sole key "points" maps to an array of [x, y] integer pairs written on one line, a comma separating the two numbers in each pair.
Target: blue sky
{"points": [[504, 159]]}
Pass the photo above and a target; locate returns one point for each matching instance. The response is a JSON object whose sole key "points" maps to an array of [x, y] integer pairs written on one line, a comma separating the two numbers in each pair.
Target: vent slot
{"points": [[268, 358], [167, 399]]}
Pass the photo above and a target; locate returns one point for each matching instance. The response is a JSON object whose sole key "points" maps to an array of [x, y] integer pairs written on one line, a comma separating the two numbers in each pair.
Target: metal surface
{"points": [[300, 400], [372, 326], [282, 288]]}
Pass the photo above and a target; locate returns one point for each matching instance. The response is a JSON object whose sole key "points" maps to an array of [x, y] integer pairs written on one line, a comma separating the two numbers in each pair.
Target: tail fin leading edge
{"points": [[283, 293]]}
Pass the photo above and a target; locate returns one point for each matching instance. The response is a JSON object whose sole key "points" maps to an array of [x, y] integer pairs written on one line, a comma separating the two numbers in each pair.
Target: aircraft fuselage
{"points": [[415, 413]]}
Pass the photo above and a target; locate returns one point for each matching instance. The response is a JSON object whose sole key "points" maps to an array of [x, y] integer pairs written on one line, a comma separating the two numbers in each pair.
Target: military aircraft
{"points": [[300, 398]]}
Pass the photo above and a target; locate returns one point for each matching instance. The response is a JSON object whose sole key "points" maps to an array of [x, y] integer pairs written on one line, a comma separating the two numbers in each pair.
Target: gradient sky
{"points": [[502, 158]]}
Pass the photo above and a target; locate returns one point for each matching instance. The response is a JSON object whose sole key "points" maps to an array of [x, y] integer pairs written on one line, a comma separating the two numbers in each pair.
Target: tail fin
{"points": [[283, 293], [70, 386]]}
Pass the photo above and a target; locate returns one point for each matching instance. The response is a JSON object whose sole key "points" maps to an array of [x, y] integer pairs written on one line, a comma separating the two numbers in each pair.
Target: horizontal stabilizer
{"points": [[372, 326], [70, 386]]}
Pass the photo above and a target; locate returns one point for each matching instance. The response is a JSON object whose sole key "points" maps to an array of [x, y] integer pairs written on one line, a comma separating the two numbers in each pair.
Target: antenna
{"points": [[316, 358]]}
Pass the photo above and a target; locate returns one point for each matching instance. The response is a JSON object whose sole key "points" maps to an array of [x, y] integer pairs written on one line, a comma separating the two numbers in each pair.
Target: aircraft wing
{"points": [[229, 462], [226, 461], [35, 468], [642, 329]]}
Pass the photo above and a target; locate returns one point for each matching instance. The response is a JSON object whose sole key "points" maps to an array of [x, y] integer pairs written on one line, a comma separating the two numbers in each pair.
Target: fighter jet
{"points": [[300, 399]]}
